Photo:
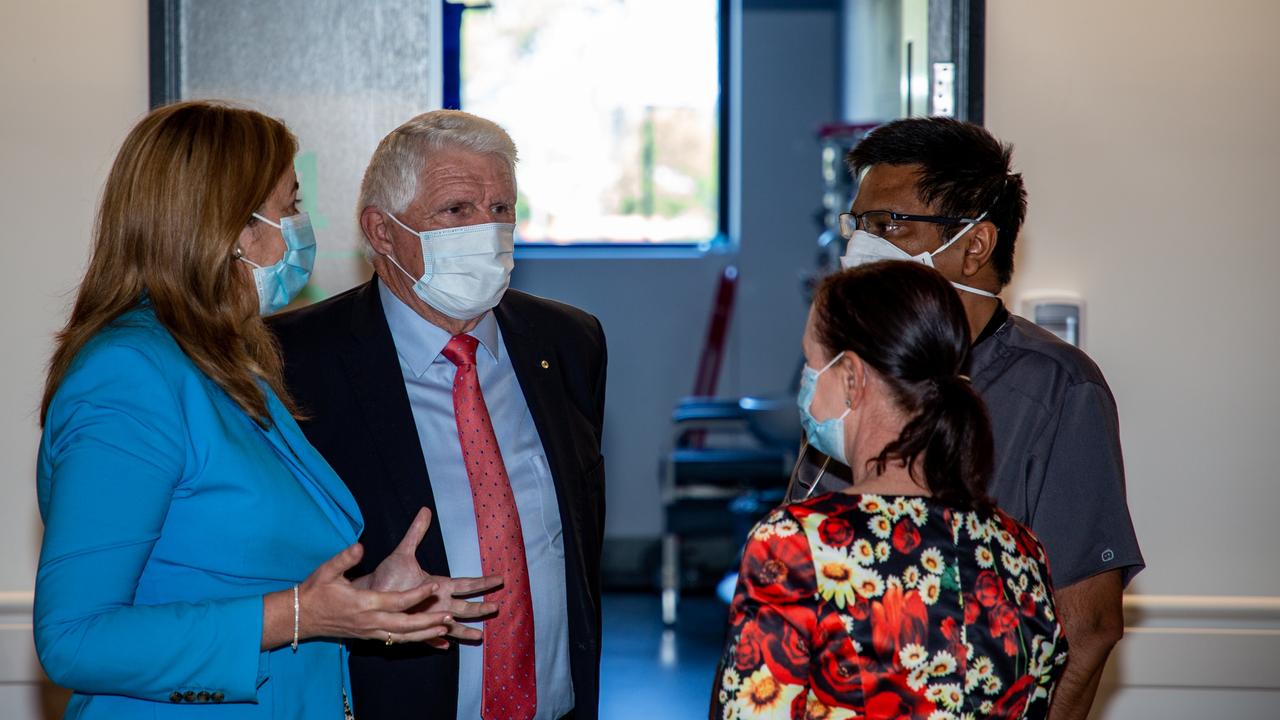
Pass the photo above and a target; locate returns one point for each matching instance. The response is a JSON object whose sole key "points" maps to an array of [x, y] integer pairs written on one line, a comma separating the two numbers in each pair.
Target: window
{"points": [[615, 106]]}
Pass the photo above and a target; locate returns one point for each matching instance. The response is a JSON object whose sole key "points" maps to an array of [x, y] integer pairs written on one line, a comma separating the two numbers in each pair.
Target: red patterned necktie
{"points": [[510, 680]]}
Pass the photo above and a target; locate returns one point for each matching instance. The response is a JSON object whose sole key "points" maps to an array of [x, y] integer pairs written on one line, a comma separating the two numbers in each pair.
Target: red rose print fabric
{"points": [[866, 606]]}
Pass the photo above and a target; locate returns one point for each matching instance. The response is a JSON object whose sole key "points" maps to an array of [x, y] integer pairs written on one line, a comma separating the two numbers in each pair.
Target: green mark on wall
{"points": [[305, 165]]}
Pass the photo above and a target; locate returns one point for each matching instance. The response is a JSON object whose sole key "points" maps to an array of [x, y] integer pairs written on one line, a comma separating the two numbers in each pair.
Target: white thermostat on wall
{"points": [[1061, 312]]}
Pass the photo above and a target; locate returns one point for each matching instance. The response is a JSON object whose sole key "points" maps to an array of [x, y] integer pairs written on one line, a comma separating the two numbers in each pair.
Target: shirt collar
{"points": [[420, 342], [997, 321]]}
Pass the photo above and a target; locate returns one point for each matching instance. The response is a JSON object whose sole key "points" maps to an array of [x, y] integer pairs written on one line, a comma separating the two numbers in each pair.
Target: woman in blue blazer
{"points": [[195, 544]]}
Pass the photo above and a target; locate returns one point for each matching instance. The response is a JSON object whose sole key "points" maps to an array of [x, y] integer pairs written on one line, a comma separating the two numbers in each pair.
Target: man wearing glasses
{"points": [[941, 192]]}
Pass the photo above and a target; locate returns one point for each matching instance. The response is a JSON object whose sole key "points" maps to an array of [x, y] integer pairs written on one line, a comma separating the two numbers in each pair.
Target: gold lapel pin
{"points": [[545, 364]]}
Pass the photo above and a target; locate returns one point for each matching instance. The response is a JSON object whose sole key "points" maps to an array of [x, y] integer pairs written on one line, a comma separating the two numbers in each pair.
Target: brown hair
{"points": [[186, 181], [907, 322]]}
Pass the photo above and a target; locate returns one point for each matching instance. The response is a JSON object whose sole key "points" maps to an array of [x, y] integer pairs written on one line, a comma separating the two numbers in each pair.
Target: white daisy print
{"points": [[911, 576], [836, 575], [882, 551], [983, 666], [917, 678], [1012, 564], [815, 708], [880, 526], [763, 532], [863, 553], [912, 655], [867, 582], [871, 504], [984, 556], [930, 589], [764, 697], [950, 695], [943, 663], [977, 530], [786, 528], [931, 560], [811, 523]]}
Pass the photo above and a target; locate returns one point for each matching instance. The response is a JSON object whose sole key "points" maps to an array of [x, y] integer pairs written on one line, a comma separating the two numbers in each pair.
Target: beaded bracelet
{"points": [[294, 645]]}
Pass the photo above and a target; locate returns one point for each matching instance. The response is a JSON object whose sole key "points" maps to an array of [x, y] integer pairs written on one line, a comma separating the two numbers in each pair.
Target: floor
{"points": [[651, 672]]}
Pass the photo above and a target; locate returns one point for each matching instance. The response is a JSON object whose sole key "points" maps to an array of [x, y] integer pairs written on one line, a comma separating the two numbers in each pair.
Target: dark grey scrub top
{"points": [[1058, 468]]}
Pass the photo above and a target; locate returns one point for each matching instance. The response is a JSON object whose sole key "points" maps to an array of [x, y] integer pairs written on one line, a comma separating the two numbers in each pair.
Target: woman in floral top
{"points": [[910, 595]]}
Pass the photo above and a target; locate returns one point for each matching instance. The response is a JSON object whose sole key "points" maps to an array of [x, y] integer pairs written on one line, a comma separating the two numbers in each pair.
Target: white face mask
{"points": [[867, 248], [465, 270]]}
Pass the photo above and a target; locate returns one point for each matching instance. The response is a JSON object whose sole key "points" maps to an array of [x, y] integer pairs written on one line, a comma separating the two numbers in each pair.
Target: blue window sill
{"points": [[719, 245]]}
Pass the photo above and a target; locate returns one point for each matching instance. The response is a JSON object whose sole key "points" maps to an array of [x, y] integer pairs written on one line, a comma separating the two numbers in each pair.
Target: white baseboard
{"points": [[1180, 656]]}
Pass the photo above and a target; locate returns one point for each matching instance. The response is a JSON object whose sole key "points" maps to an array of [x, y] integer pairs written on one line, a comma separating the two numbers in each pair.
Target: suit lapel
{"points": [[286, 438], [536, 366], [371, 364]]}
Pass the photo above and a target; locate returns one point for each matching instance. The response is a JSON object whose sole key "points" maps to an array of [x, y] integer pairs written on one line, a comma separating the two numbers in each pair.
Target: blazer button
{"points": [[217, 697], [202, 696], [189, 696], [175, 696]]}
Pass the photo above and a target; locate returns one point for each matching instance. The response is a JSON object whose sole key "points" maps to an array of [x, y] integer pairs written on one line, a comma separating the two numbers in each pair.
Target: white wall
{"points": [[1146, 131], [73, 78]]}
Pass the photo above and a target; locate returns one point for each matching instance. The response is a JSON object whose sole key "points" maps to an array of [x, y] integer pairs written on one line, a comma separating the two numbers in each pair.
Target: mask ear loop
{"points": [[392, 257]]}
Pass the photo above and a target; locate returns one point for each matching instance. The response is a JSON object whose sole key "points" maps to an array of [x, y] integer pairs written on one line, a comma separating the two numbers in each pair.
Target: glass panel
{"points": [[614, 107], [340, 74]]}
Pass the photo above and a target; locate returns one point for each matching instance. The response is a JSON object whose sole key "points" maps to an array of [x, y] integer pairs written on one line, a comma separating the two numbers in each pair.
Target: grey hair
{"points": [[391, 179]]}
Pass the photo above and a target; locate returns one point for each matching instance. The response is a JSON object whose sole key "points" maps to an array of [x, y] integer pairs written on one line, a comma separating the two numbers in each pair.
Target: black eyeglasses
{"points": [[798, 490], [880, 222]]}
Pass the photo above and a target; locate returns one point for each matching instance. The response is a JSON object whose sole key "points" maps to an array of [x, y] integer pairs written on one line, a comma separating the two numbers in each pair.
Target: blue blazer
{"points": [[168, 515]]}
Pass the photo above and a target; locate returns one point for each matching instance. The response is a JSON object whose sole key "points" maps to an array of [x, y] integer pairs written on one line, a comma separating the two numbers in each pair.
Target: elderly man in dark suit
{"points": [[433, 385]]}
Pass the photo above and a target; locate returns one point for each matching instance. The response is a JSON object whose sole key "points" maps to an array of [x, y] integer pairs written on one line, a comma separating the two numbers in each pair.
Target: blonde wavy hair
{"points": [[183, 186]]}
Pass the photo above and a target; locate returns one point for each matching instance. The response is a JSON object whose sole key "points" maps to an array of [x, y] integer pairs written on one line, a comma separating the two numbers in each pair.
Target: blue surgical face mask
{"points": [[278, 284], [828, 435]]}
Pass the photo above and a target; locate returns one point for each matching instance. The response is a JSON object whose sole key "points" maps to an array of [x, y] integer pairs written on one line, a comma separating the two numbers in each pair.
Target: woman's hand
{"points": [[331, 606], [401, 572]]}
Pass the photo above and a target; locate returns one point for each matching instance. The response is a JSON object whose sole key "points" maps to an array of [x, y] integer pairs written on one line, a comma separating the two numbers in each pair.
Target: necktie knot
{"points": [[461, 350]]}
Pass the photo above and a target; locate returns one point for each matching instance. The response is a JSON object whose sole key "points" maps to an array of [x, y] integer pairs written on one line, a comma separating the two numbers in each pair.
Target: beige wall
{"points": [[73, 78], [1147, 134]]}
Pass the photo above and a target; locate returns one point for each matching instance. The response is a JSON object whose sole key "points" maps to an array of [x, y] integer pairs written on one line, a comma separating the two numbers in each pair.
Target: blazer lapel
{"points": [[376, 382], [535, 364], [320, 480]]}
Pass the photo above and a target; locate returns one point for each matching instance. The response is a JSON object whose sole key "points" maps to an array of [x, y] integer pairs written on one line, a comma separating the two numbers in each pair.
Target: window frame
{"points": [[451, 46]]}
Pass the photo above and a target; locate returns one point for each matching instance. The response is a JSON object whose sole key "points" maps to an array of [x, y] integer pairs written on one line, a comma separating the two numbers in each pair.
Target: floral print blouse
{"points": [[869, 606]]}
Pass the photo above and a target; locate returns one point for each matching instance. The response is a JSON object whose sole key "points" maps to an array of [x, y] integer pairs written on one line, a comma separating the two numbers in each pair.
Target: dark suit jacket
{"points": [[342, 370]]}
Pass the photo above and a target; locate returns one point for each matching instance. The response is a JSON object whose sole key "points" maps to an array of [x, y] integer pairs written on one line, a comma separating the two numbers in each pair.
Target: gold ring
{"points": [[390, 642]]}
